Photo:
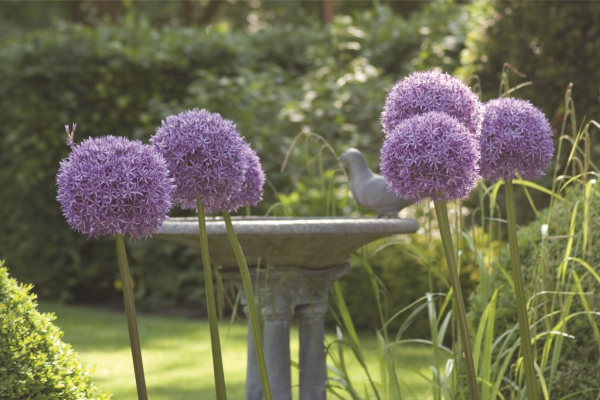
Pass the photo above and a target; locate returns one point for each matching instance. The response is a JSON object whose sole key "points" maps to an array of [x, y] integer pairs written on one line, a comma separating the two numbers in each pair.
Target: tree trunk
{"points": [[187, 10], [327, 8], [210, 12], [105, 7]]}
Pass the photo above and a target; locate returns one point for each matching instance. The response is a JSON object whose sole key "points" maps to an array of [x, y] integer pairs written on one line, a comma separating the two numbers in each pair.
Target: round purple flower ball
{"points": [[422, 92], [516, 140], [251, 191], [112, 185], [430, 156], [207, 158]]}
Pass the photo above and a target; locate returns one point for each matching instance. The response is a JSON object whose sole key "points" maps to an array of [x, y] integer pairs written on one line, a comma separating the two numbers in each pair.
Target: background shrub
{"points": [[540, 260], [122, 79], [34, 362], [551, 54]]}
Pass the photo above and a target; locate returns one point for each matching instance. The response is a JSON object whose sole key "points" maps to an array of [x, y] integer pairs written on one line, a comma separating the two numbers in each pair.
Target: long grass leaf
{"points": [[433, 330], [562, 269], [542, 381], [486, 349], [586, 307], [537, 187], [587, 194], [392, 377], [347, 320]]}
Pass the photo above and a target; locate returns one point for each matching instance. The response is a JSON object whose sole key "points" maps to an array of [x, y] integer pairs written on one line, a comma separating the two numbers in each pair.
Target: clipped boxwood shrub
{"points": [[34, 363], [540, 259]]}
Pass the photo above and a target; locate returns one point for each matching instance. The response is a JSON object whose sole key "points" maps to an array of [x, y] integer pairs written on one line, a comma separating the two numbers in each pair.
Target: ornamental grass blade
{"points": [[542, 382], [539, 188], [348, 324], [391, 378], [588, 197], [409, 319], [433, 331], [482, 354], [562, 268], [586, 307]]}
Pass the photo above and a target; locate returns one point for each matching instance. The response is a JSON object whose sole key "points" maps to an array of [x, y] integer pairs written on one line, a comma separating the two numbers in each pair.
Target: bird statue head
{"points": [[350, 154], [369, 189]]}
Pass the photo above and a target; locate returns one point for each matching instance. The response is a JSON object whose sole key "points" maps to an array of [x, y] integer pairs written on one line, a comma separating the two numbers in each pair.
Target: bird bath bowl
{"points": [[308, 243], [298, 259]]}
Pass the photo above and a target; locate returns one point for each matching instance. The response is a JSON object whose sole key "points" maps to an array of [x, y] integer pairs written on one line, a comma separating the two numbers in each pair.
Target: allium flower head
{"points": [[206, 156], [516, 140], [422, 92], [111, 185], [430, 156], [252, 189]]}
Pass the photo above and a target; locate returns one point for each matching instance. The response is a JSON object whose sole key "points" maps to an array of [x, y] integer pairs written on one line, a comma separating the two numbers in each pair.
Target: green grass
{"points": [[177, 355]]}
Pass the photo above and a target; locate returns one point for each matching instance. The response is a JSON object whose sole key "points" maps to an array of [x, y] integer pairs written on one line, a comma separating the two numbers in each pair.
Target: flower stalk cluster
{"points": [[113, 186], [516, 141], [215, 171], [431, 149]]}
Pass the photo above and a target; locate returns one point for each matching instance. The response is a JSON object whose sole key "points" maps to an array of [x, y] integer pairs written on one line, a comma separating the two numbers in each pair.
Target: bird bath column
{"points": [[304, 257], [284, 293]]}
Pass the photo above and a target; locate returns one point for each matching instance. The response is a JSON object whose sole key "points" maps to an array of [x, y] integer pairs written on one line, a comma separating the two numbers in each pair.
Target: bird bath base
{"points": [[297, 259]]}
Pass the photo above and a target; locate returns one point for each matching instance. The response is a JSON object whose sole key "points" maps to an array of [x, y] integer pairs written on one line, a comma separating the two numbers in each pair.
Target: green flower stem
{"points": [[526, 348], [213, 320], [134, 338], [254, 318], [441, 212]]}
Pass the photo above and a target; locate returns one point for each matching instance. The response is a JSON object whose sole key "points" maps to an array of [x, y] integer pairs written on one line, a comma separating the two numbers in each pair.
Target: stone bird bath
{"points": [[297, 259]]}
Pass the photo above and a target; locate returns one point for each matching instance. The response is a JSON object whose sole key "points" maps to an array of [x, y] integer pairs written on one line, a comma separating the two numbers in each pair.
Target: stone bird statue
{"points": [[369, 189]]}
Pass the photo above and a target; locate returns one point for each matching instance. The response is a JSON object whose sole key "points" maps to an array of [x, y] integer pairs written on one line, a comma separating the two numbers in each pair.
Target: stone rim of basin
{"points": [[303, 242]]}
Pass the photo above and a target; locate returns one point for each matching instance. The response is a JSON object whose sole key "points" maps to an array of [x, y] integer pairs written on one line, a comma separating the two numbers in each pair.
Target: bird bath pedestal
{"points": [[294, 262]]}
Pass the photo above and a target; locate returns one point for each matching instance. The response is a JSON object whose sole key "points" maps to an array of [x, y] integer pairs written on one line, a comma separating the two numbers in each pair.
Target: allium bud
{"points": [[516, 140], [430, 156], [111, 185], [422, 92], [206, 156]]}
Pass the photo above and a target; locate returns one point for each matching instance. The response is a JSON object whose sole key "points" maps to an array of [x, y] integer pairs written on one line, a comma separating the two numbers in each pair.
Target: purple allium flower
{"points": [[252, 189], [422, 92], [207, 157], [430, 156], [111, 185], [516, 140]]}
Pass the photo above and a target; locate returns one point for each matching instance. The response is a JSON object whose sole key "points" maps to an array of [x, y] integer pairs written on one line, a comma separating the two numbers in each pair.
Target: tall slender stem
{"points": [[254, 318], [213, 320], [441, 212], [134, 338], [526, 347]]}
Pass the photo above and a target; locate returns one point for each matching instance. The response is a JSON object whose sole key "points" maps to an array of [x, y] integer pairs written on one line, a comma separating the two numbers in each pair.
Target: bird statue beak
{"points": [[343, 156]]}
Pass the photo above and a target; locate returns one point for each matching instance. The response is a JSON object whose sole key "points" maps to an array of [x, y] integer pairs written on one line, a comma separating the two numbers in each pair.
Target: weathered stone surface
{"points": [[309, 243]]}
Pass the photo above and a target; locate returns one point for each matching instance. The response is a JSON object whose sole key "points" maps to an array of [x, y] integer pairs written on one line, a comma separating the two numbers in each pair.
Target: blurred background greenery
{"points": [[277, 69]]}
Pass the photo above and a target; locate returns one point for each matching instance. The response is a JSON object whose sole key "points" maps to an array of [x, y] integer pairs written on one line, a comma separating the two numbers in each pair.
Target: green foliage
{"points": [[122, 79], [34, 362], [542, 258], [405, 270], [552, 51]]}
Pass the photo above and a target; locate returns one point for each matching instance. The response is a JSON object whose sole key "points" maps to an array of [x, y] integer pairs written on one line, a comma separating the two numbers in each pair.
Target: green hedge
{"points": [[540, 259], [552, 43], [34, 362], [123, 79]]}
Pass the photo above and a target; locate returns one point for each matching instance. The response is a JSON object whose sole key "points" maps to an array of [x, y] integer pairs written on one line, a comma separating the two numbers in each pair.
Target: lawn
{"points": [[177, 358]]}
